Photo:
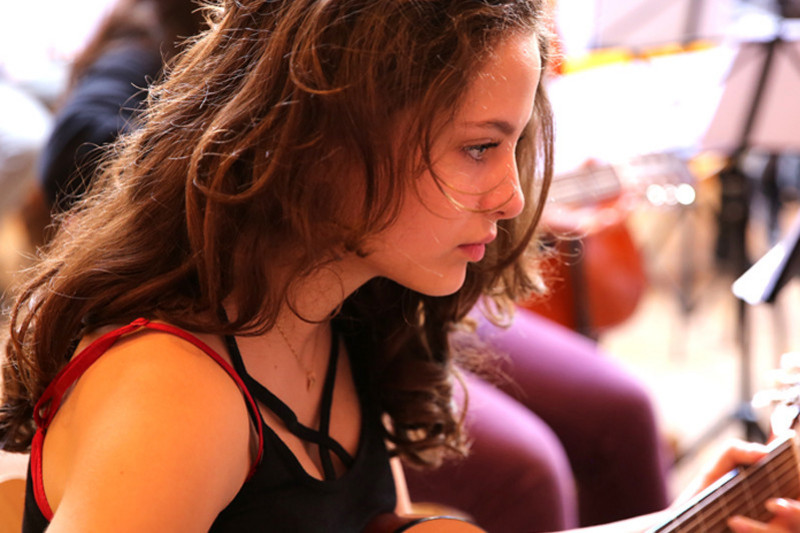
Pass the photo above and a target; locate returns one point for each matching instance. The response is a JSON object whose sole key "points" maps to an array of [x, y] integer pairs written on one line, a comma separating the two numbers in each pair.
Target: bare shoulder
{"points": [[159, 358], [155, 423], [164, 370]]}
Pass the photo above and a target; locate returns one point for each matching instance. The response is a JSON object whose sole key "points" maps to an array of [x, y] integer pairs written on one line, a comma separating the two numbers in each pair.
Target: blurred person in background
{"points": [[25, 124]]}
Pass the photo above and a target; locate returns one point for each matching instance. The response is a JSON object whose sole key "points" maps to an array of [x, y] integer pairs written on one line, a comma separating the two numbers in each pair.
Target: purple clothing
{"points": [[573, 441]]}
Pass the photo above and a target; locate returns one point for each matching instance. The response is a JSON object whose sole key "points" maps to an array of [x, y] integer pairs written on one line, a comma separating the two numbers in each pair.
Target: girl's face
{"points": [[428, 247]]}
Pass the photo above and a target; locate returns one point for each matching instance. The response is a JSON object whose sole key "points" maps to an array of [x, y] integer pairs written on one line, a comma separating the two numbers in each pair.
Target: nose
{"points": [[507, 199]]}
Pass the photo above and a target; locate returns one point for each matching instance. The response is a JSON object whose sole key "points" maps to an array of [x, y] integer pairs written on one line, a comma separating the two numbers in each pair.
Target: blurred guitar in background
{"points": [[595, 272]]}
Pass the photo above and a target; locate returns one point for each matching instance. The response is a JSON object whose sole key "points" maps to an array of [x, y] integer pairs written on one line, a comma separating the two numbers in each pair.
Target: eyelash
{"points": [[481, 148]]}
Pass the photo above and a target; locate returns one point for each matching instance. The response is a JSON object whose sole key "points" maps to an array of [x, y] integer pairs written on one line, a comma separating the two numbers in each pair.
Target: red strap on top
{"points": [[51, 399]]}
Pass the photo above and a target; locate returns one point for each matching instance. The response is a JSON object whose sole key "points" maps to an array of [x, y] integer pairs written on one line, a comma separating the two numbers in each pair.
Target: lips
{"points": [[476, 250]]}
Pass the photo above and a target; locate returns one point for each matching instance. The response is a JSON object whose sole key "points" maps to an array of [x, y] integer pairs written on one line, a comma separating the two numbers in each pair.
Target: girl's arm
{"points": [[403, 507], [154, 437]]}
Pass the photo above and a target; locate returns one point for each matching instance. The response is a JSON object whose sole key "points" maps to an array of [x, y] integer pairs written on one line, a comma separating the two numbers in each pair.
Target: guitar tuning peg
{"points": [[788, 395], [790, 362], [783, 418], [785, 377], [765, 398]]}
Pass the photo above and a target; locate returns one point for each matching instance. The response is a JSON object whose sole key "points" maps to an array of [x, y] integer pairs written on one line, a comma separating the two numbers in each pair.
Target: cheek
{"points": [[422, 228], [469, 182], [434, 204], [417, 223]]}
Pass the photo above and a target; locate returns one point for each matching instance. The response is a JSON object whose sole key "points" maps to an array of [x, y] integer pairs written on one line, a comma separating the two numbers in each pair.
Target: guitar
{"points": [[392, 523], [596, 275], [743, 492]]}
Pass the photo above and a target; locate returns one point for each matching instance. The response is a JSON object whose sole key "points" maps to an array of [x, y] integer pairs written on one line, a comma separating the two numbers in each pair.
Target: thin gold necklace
{"points": [[311, 377]]}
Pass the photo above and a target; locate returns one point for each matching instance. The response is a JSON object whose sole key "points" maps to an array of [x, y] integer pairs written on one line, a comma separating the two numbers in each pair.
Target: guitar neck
{"points": [[585, 186], [742, 492], [599, 182]]}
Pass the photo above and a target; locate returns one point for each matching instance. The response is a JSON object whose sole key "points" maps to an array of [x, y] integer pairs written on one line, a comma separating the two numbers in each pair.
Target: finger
{"points": [[786, 512], [737, 453], [740, 452], [742, 524]]}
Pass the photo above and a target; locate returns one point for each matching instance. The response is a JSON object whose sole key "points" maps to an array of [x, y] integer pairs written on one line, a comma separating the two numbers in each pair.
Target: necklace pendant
{"points": [[310, 380]]}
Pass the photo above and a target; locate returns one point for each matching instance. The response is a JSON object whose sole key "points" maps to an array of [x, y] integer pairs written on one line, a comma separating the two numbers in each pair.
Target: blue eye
{"points": [[477, 151]]}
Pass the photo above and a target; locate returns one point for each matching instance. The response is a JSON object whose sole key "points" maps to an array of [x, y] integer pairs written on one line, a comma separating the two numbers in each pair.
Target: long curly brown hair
{"points": [[240, 158]]}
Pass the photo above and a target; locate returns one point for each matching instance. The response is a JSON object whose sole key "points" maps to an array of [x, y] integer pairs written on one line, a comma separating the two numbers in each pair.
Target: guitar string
{"points": [[734, 485], [753, 486], [757, 488], [758, 483]]}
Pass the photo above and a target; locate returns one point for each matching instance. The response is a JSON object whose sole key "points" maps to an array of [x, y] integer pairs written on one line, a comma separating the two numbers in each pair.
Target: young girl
{"points": [[556, 433], [257, 293]]}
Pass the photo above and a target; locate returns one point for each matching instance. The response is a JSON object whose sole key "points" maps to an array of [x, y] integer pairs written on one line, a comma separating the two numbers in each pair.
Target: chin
{"points": [[445, 286], [430, 281]]}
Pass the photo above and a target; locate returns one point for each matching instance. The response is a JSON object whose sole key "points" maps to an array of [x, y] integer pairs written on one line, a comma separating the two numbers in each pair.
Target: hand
{"points": [[783, 398], [786, 519]]}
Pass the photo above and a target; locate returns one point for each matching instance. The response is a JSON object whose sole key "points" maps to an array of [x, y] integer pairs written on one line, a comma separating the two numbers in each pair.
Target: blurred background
{"points": [[677, 175]]}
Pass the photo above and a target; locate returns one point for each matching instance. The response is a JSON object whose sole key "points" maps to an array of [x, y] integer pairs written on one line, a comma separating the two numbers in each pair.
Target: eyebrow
{"points": [[500, 125]]}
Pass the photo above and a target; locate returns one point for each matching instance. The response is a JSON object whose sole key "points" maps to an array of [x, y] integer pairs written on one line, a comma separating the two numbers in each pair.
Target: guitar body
{"points": [[391, 523], [595, 281], [597, 276]]}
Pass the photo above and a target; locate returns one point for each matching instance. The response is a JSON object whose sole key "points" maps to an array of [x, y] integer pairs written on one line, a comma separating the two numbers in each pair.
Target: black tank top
{"points": [[280, 495]]}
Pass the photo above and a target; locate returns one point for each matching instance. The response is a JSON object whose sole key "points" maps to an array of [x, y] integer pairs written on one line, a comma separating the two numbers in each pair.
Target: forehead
{"points": [[505, 85]]}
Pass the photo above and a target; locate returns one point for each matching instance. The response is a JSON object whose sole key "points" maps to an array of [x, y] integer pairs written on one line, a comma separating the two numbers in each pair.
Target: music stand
{"points": [[789, 9], [762, 282], [758, 110], [651, 23]]}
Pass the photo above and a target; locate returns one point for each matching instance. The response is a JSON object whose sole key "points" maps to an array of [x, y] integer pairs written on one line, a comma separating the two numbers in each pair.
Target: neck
{"points": [[318, 296], [313, 300]]}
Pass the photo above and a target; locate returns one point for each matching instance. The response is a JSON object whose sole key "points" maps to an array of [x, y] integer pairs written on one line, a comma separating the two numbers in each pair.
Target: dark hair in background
{"points": [[253, 146], [107, 87], [162, 25]]}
